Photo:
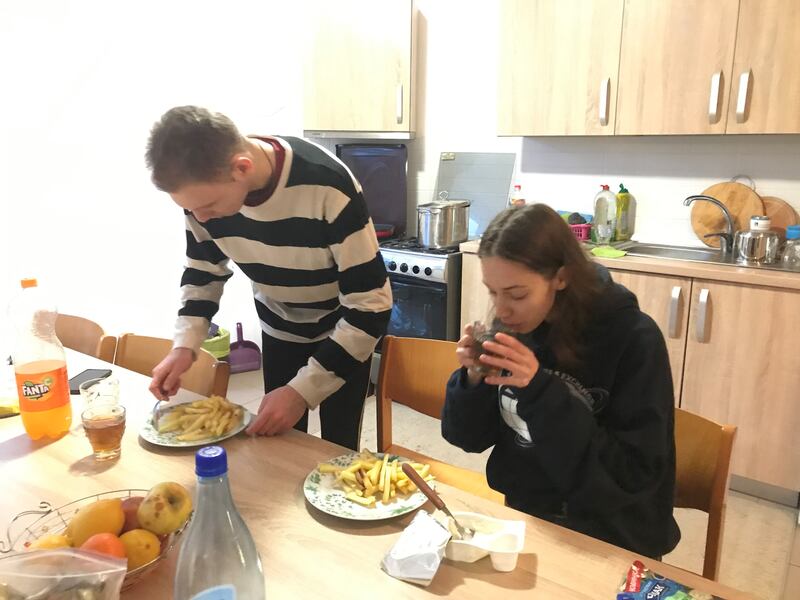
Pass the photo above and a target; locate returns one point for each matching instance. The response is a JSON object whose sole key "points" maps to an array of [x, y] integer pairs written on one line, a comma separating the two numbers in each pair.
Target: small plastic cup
{"points": [[104, 425]]}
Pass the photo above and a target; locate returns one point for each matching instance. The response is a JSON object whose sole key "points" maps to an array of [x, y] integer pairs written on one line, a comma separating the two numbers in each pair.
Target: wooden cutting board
{"points": [[781, 213], [739, 199]]}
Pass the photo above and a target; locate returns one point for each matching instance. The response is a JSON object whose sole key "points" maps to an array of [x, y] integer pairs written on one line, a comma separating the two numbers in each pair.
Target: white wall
{"points": [[84, 80]]}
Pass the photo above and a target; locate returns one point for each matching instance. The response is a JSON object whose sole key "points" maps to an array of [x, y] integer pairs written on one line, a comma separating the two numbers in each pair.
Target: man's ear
{"points": [[241, 166], [561, 278]]}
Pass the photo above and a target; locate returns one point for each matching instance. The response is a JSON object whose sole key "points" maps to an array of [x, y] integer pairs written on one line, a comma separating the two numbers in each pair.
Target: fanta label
{"points": [[42, 391]]}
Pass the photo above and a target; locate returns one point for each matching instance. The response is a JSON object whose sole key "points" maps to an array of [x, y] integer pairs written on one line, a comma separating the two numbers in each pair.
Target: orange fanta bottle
{"points": [[40, 365]]}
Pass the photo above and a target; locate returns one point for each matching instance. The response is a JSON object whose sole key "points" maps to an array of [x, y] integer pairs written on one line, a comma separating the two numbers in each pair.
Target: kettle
{"points": [[759, 245]]}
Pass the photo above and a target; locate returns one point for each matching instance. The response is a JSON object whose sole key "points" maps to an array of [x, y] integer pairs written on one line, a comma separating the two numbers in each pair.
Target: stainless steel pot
{"points": [[443, 223]]}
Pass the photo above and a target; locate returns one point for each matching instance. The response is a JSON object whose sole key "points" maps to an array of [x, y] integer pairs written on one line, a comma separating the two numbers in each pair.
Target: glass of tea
{"points": [[481, 332], [104, 425]]}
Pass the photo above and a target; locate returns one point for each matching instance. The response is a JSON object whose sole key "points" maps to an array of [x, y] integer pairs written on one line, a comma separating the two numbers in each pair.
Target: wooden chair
{"points": [[414, 372], [141, 353], [85, 336], [703, 458]]}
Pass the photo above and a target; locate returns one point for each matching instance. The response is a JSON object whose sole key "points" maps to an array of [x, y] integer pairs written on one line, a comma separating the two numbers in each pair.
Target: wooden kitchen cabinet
{"points": [[675, 66], [666, 300], [743, 368], [359, 69], [558, 67], [767, 47], [475, 299]]}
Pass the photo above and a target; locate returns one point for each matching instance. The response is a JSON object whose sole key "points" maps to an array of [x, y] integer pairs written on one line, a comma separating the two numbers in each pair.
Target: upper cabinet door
{"points": [[675, 66], [358, 68], [558, 67], [765, 92]]}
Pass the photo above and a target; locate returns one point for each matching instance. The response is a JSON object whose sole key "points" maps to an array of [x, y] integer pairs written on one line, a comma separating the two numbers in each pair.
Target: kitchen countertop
{"points": [[686, 268]]}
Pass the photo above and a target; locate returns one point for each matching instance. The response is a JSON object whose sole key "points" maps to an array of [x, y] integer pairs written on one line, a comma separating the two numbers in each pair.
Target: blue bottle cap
{"points": [[793, 232], [211, 461]]}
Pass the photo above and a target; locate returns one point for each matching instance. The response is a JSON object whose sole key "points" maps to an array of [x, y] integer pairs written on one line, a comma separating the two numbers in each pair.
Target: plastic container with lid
{"points": [[605, 215], [40, 366], [790, 254]]}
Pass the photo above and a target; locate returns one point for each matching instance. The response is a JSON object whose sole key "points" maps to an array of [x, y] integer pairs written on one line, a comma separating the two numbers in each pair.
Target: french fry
{"points": [[203, 419]]}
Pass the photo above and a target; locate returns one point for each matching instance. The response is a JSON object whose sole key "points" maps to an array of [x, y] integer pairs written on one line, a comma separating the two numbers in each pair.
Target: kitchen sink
{"points": [[679, 252]]}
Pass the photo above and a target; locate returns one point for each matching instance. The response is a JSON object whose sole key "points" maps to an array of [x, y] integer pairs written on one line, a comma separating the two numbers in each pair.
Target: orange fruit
{"points": [[141, 547], [105, 543]]}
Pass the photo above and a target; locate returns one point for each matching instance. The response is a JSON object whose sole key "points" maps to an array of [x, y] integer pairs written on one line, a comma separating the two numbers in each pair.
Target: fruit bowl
{"points": [[54, 520]]}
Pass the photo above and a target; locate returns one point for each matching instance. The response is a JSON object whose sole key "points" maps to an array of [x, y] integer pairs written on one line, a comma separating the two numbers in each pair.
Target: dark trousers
{"points": [[340, 413]]}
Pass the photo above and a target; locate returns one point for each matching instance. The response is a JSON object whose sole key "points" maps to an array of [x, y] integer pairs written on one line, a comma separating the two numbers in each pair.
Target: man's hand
{"points": [[280, 410], [167, 373]]}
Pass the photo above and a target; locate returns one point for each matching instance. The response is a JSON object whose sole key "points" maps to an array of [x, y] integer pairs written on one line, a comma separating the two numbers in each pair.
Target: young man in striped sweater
{"points": [[292, 217]]}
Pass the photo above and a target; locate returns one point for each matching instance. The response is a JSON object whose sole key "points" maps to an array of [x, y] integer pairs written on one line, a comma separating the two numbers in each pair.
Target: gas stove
{"points": [[413, 245], [407, 258]]}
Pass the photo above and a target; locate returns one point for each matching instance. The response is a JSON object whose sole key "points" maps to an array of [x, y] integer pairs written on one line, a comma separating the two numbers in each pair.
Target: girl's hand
{"points": [[512, 356], [466, 355]]}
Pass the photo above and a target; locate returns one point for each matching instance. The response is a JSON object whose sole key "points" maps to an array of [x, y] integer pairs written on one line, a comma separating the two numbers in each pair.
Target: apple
{"points": [[165, 509], [130, 506]]}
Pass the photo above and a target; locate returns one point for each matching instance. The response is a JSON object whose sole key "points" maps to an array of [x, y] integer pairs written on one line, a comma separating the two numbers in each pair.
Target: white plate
{"points": [[151, 434], [321, 493]]}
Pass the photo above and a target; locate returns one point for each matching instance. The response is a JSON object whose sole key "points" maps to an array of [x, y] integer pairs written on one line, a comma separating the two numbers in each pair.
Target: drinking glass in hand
{"points": [[104, 425], [485, 333]]}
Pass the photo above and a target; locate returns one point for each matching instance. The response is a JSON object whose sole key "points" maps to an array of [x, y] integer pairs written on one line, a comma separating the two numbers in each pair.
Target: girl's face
{"points": [[522, 298]]}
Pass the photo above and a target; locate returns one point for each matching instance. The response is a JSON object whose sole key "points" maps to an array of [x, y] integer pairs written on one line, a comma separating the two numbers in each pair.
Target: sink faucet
{"points": [[725, 237]]}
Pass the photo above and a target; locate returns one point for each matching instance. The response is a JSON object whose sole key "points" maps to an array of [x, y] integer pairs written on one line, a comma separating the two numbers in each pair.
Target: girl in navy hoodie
{"points": [[581, 413]]}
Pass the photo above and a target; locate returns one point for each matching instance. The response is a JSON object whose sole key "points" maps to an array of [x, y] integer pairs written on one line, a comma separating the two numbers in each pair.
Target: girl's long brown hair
{"points": [[536, 236]]}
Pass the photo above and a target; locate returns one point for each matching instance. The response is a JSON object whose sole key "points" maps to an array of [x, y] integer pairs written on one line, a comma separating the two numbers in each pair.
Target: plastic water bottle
{"points": [[605, 215], [40, 366], [218, 559], [790, 254]]}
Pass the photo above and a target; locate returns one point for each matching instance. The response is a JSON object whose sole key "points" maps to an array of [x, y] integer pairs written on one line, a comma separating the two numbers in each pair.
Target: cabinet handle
{"points": [[605, 90], [702, 306], [714, 97], [674, 302], [741, 96], [399, 108]]}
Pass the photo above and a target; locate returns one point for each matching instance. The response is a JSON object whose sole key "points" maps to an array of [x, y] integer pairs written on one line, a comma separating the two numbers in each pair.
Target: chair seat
{"points": [[464, 479]]}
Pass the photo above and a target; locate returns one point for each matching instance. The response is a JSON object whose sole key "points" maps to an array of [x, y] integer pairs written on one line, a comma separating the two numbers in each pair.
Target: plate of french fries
{"points": [[365, 486], [195, 423]]}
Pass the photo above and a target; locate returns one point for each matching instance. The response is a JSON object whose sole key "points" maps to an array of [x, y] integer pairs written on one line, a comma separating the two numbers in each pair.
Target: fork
{"points": [[465, 532]]}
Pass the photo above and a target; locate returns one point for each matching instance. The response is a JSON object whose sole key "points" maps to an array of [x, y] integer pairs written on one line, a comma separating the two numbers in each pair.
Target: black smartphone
{"points": [[86, 375]]}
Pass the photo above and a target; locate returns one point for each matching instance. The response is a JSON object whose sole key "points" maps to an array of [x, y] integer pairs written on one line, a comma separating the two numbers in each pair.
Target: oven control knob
{"points": [[392, 265], [404, 267], [415, 268], [428, 271]]}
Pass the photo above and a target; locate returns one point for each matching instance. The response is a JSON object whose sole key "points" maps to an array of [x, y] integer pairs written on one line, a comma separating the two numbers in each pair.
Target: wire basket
{"points": [[54, 520]]}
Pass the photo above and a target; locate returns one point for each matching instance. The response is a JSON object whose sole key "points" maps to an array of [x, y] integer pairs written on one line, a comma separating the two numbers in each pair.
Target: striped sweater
{"points": [[312, 256]]}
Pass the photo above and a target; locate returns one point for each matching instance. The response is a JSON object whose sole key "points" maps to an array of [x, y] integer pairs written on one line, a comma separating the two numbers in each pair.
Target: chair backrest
{"points": [[142, 353], [702, 464], [85, 336], [413, 372]]}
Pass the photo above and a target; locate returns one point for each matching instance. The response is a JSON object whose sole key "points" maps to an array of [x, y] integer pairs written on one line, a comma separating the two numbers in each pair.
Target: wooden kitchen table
{"points": [[305, 553]]}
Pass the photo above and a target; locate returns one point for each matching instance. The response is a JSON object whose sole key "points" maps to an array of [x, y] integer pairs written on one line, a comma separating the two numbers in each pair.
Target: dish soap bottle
{"points": [[516, 197], [605, 215], [218, 559], [626, 214]]}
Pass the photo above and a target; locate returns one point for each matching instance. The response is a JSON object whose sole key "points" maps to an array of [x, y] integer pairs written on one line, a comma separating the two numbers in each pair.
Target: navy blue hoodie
{"points": [[590, 448]]}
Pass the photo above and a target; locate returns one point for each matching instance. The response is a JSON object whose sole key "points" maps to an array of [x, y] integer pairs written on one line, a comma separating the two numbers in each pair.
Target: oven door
{"points": [[419, 308]]}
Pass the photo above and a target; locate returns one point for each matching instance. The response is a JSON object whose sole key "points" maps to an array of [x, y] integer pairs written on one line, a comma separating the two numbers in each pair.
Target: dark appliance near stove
{"points": [[426, 285], [381, 171]]}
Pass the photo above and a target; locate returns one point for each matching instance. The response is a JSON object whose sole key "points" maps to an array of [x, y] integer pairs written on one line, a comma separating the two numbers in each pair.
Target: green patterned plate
{"points": [[151, 434], [320, 493]]}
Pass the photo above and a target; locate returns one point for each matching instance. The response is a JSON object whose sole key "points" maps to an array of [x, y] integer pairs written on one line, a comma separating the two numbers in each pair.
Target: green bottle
{"points": [[626, 214]]}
